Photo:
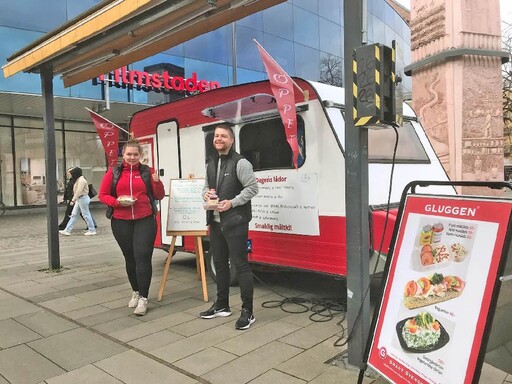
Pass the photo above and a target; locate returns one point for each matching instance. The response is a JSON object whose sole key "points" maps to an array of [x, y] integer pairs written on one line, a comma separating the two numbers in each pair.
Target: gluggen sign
{"points": [[157, 82]]}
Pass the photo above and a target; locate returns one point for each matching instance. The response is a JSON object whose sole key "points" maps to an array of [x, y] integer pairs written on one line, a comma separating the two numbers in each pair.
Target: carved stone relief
{"points": [[430, 103], [428, 25], [482, 127]]}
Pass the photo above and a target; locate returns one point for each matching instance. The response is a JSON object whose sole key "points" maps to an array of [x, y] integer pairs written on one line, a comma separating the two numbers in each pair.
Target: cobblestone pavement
{"points": [[73, 326]]}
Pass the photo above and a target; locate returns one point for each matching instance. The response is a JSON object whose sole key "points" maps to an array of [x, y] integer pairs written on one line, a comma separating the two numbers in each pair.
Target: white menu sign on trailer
{"points": [[287, 202]]}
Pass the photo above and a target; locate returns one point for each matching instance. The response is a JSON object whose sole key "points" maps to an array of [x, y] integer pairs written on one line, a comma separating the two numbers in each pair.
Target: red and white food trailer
{"points": [[299, 216]]}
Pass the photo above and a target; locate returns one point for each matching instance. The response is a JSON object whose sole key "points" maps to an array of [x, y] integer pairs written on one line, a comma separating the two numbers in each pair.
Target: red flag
{"points": [[109, 136], [282, 89]]}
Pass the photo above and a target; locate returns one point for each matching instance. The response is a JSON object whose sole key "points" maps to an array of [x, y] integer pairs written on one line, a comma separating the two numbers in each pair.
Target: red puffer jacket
{"points": [[130, 183]]}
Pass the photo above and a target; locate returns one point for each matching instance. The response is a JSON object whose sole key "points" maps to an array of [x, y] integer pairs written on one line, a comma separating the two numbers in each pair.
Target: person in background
{"points": [[80, 203], [230, 179], [133, 219], [68, 196]]}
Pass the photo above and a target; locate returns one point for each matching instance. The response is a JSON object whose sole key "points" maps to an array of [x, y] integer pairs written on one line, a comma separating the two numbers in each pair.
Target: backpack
{"points": [[145, 174]]}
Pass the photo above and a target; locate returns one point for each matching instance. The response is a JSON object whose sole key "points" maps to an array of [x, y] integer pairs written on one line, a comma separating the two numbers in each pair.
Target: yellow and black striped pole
{"points": [[366, 83], [399, 118]]}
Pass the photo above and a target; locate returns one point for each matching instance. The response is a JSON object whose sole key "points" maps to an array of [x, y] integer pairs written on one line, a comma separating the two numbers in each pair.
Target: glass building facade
{"points": [[304, 36]]}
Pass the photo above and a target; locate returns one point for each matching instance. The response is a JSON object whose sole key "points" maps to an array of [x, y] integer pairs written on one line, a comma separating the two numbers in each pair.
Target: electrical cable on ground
{"points": [[326, 309], [323, 310], [381, 242]]}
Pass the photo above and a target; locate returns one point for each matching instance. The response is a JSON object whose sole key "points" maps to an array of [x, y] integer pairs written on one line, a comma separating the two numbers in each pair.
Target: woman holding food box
{"points": [[130, 192]]}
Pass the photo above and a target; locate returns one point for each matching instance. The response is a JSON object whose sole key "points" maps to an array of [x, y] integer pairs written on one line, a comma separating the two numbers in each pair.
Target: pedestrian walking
{"points": [[230, 179], [80, 202], [130, 191], [68, 196]]}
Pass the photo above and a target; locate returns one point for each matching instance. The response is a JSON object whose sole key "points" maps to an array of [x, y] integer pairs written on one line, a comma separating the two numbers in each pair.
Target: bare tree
{"points": [[506, 71], [331, 70]]}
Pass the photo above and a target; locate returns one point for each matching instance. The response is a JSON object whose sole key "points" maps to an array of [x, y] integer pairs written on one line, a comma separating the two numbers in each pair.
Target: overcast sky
{"points": [[506, 8]]}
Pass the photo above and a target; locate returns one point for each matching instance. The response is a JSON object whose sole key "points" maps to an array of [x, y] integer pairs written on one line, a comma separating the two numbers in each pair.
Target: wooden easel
{"points": [[185, 203], [201, 274]]}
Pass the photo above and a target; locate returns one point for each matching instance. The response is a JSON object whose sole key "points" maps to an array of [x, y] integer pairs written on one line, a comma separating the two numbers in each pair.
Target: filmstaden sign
{"points": [[157, 82]]}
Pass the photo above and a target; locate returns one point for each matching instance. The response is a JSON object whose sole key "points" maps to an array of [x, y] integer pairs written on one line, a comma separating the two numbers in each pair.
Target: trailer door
{"points": [[168, 161]]}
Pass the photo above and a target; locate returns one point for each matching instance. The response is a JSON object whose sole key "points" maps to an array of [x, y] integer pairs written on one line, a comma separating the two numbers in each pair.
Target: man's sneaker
{"points": [[134, 300], [65, 233], [245, 320], [90, 233], [142, 306], [215, 312]]}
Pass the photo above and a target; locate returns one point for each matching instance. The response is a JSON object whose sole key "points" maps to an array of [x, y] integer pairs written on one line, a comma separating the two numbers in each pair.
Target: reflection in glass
{"points": [[330, 38], [247, 53], [30, 166], [307, 62], [278, 21], [381, 143], [306, 28], [84, 150], [282, 52]]}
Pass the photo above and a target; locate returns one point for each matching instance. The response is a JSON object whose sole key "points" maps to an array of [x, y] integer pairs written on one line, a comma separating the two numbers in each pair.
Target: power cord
{"points": [[323, 309], [394, 126], [326, 309]]}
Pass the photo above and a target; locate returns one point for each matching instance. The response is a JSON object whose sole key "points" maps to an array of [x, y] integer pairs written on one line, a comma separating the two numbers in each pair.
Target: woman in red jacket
{"points": [[133, 220]]}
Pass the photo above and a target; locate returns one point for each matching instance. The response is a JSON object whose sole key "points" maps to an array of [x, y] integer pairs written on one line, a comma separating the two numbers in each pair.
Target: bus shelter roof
{"points": [[116, 33]]}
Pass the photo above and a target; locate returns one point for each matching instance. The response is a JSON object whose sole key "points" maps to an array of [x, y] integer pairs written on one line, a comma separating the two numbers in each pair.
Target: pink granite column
{"points": [[457, 85]]}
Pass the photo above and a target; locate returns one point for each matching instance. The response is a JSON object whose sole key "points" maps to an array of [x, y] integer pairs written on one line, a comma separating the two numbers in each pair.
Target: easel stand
{"points": [[201, 275]]}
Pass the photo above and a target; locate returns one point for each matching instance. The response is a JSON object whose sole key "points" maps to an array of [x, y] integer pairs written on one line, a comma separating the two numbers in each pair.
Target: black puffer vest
{"points": [[227, 188]]}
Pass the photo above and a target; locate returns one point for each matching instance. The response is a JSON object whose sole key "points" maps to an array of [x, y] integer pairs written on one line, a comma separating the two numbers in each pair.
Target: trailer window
{"points": [[381, 143], [264, 144]]}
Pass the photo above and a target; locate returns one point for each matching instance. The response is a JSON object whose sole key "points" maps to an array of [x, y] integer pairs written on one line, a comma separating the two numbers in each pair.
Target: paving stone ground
{"points": [[73, 326]]}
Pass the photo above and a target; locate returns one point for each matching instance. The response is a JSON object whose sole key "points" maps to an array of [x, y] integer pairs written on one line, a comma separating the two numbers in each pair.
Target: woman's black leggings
{"points": [[136, 239]]}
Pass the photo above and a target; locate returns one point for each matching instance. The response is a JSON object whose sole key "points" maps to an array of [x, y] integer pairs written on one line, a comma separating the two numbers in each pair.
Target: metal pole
{"points": [[51, 168], [356, 199], [233, 53]]}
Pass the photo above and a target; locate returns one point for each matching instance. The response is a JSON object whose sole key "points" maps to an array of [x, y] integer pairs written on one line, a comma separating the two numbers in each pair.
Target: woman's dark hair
{"points": [[75, 172]]}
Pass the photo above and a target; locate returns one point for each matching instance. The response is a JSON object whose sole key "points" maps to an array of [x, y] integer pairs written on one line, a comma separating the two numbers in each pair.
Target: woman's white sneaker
{"points": [[142, 306], [134, 300]]}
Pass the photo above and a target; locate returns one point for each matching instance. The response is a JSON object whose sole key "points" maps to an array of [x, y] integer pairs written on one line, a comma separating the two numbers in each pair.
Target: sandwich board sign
{"points": [[441, 289]]}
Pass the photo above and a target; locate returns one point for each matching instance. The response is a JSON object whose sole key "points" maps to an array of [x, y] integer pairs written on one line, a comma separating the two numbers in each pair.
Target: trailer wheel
{"points": [[233, 281]]}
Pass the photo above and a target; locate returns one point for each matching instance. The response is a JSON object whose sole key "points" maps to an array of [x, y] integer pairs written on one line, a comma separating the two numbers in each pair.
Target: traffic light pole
{"points": [[356, 196]]}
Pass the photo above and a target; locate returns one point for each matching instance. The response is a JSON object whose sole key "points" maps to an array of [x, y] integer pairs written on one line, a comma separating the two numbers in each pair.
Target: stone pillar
{"points": [[457, 84]]}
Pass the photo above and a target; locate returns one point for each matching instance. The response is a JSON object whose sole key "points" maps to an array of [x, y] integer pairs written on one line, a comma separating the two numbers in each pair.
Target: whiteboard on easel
{"points": [[186, 212]]}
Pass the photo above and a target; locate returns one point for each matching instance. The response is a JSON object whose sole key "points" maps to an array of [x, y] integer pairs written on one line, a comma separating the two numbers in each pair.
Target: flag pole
{"points": [[304, 93], [113, 124]]}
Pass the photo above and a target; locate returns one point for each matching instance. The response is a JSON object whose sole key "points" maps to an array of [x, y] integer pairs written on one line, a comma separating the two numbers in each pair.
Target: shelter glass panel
{"points": [[30, 166], [6, 167], [84, 150]]}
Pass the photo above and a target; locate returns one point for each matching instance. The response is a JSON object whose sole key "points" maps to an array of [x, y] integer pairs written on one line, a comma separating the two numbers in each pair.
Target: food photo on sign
{"points": [[441, 243]]}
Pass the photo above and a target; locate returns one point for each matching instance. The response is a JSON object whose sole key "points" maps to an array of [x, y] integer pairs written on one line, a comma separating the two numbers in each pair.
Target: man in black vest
{"points": [[230, 179]]}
